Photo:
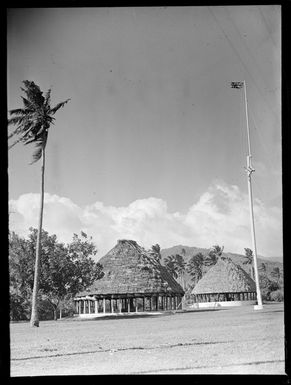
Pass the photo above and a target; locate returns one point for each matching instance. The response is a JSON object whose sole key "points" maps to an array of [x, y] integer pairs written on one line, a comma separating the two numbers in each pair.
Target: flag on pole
{"points": [[237, 85]]}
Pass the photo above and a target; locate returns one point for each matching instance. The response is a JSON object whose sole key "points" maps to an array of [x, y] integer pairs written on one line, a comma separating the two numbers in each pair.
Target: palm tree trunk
{"points": [[34, 320]]}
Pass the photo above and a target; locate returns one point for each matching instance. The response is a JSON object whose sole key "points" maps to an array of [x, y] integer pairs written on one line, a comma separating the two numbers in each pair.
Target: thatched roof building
{"points": [[134, 280], [225, 281]]}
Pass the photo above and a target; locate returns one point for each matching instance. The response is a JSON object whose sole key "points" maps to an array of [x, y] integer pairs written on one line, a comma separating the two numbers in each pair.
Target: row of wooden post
{"points": [[220, 297], [126, 305]]}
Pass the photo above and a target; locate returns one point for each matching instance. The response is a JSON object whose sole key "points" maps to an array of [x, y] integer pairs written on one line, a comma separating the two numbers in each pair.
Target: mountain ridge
{"points": [[236, 257]]}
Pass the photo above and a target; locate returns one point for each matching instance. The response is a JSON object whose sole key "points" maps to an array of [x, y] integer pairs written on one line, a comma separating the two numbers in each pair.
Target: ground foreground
{"points": [[225, 341]]}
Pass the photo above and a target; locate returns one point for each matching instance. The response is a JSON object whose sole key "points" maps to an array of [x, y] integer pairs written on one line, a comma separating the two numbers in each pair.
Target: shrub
{"points": [[277, 296]]}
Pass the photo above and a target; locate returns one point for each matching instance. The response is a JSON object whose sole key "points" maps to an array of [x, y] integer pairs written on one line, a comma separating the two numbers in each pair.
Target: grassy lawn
{"points": [[234, 340]]}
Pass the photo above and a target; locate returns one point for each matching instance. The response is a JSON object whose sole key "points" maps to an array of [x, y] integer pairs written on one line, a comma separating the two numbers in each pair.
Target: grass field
{"points": [[235, 340]]}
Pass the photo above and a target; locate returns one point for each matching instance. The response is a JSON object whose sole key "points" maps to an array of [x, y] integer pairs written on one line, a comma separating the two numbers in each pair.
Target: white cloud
{"points": [[221, 215]]}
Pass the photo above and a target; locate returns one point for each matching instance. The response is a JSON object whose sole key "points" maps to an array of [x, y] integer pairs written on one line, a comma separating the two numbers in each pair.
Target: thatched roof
{"points": [[128, 268], [225, 277]]}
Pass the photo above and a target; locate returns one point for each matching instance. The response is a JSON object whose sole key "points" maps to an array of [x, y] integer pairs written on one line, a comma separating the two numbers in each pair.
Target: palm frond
{"points": [[35, 134], [13, 144], [33, 93], [16, 120], [23, 129], [37, 154], [14, 132], [47, 97], [39, 147], [58, 106], [19, 111], [28, 104]]}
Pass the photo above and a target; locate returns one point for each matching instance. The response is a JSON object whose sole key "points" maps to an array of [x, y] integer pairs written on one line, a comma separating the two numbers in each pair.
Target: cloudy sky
{"points": [[152, 145]]}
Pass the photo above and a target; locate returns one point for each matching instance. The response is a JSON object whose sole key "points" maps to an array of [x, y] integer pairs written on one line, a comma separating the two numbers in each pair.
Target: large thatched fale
{"points": [[225, 281], [134, 280]]}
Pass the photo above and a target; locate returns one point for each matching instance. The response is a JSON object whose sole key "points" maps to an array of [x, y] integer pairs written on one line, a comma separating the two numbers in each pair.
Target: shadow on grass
{"points": [[117, 316], [122, 316]]}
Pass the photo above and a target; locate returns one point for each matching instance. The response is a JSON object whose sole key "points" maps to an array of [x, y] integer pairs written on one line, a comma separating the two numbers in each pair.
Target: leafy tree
{"points": [[20, 274], [214, 254], [263, 267], [275, 273], [65, 270], [194, 267], [267, 287], [32, 125], [249, 261], [86, 271]]}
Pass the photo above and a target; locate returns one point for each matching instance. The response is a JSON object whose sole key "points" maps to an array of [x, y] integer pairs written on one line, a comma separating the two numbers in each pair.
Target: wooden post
{"points": [[128, 305], [104, 306], [96, 307], [136, 306]]}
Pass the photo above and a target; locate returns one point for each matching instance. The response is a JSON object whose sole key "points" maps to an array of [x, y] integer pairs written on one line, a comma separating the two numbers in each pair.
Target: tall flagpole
{"points": [[250, 170]]}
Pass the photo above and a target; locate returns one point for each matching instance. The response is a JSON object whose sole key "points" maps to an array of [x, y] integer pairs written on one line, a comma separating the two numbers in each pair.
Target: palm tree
{"points": [[214, 254], [171, 265], [156, 251], [249, 260], [180, 265], [32, 124], [194, 267], [183, 252]]}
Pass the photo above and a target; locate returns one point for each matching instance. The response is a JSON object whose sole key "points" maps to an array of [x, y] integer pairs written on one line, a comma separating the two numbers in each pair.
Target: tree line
{"points": [[65, 270], [271, 281]]}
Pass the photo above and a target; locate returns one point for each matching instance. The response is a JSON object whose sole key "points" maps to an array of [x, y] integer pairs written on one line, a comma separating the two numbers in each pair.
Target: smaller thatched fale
{"points": [[225, 281]]}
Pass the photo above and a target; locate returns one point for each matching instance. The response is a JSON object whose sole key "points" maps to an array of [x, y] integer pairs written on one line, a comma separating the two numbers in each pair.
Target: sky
{"points": [[152, 145]]}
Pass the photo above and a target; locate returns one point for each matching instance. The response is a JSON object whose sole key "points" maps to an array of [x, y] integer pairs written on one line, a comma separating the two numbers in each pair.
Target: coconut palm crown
{"points": [[34, 119]]}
